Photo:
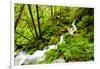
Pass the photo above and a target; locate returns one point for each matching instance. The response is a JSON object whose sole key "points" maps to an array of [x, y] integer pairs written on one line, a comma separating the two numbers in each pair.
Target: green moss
{"points": [[53, 40], [31, 51]]}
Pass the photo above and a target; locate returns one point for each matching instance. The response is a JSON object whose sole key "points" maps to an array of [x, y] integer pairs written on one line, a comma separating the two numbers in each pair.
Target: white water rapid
{"points": [[23, 58]]}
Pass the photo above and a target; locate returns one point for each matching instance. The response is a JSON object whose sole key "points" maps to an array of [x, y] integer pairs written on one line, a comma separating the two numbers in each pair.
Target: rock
{"points": [[60, 60]]}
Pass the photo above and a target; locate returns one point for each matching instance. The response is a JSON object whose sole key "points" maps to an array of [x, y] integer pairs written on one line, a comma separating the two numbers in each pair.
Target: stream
{"points": [[23, 58]]}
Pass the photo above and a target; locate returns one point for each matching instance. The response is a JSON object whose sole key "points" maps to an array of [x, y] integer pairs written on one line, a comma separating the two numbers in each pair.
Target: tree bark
{"points": [[38, 18]]}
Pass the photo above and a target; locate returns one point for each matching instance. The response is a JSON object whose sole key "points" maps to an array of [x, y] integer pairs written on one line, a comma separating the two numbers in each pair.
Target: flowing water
{"points": [[23, 58], [73, 29]]}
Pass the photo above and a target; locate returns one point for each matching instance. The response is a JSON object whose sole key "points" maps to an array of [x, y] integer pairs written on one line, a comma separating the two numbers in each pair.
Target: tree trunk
{"points": [[30, 11], [38, 18], [19, 16]]}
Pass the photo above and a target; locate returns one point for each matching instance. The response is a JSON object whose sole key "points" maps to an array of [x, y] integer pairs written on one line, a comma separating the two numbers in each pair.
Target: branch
{"points": [[23, 36]]}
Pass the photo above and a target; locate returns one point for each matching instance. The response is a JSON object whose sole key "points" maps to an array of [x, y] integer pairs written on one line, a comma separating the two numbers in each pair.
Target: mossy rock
{"points": [[41, 46], [31, 51], [53, 40]]}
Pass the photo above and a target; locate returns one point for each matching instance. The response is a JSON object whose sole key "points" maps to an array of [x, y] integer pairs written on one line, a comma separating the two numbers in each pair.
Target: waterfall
{"points": [[24, 59], [73, 29]]}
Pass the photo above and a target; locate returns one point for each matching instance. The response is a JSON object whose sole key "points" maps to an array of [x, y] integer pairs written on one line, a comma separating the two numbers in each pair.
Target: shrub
{"points": [[74, 48]]}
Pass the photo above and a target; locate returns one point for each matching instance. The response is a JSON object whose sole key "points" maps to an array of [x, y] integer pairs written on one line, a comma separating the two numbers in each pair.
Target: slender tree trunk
{"points": [[19, 16], [30, 11], [38, 18], [52, 14]]}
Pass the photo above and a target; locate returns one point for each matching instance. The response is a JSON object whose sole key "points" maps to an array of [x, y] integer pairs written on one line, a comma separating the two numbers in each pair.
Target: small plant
{"points": [[74, 48]]}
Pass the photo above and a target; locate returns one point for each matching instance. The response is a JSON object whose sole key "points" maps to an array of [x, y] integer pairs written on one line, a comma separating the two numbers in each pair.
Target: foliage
{"points": [[51, 55], [75, 48], [55, 21]]}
